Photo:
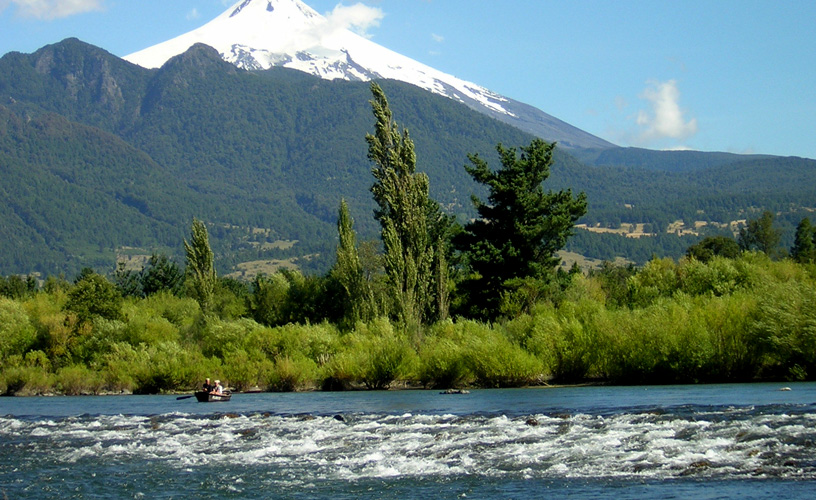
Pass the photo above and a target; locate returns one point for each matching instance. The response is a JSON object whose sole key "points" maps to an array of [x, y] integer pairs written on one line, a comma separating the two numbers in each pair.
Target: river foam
{"points": [[724, 443]]}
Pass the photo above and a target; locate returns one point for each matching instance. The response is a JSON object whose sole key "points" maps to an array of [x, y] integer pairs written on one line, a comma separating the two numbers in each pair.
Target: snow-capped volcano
{"points": [[259, 34]]}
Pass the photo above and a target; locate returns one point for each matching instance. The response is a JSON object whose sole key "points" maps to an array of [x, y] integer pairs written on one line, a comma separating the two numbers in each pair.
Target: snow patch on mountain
{"points": [[259, 34]]}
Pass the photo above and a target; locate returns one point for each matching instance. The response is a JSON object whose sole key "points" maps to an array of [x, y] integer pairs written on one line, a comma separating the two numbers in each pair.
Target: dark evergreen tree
{"points": [[288, 296], [161, 273], [615, 282], [520, 228], [804, 245], [15, 287], [760, 234], [710, 246], [128, 281]]}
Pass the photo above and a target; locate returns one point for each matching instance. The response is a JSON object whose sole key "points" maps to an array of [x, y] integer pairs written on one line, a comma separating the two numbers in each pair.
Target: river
{"points": [[702, 441]]}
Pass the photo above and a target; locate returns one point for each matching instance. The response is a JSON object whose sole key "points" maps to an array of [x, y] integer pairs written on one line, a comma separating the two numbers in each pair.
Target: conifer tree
{"points": [[520, 228], [200, 270], [804, 245], [161, 274], [708, 247], [760, 234]]}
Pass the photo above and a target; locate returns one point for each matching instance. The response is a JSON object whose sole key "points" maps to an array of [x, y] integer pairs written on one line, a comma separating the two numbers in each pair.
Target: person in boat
{"points": [[208, 387], [218, 389]]}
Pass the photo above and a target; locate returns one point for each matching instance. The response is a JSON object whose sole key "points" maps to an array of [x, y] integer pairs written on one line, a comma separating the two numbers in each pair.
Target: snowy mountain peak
{"points": [[259, 34]]}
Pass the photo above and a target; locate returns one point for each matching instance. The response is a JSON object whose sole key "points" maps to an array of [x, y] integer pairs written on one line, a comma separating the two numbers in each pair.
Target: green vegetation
{"points": [[406, 214], [357, 298], [723, 320], [804, 243], [511, 248], [200, 266], [760, 234], [714, 245]]}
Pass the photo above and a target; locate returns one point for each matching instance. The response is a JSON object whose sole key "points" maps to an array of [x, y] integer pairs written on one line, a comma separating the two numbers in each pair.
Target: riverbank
{"points": [[726, 320], [783, 385]]}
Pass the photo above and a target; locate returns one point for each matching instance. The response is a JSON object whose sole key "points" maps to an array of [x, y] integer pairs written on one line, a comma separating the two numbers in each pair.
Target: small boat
{"points": [[207, 397]]}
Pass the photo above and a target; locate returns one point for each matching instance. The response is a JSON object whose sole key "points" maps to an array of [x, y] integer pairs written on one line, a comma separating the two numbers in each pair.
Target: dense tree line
{"points": [[725, 320]]}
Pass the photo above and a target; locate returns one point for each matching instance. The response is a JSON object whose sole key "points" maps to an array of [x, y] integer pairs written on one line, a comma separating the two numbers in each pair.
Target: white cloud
{"points": [[193, 14], [666, 119], [52, 9], [437, 38], [358, 18]]}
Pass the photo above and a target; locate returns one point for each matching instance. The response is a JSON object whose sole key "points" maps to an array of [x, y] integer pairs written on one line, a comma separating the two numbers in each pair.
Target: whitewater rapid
{"points": [[655, 442], [702, 442]]}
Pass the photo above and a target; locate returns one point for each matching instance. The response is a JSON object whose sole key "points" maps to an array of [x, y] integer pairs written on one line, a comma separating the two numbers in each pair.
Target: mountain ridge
{"points": [[305, 41], [265, 156], [264, 149]]}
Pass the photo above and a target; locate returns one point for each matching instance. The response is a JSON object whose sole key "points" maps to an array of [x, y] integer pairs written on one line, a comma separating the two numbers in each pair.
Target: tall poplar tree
{"points": [[348, 271], [200, 270], [520, 228], [411, 222]]}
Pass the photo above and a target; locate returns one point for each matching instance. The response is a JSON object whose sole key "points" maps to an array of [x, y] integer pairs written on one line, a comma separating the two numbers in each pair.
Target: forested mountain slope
{"points": [[262, 156], [100, 157]]}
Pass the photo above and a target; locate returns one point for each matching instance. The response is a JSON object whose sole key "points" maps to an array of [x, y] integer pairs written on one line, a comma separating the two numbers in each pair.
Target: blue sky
{"points": [[721, 75]]}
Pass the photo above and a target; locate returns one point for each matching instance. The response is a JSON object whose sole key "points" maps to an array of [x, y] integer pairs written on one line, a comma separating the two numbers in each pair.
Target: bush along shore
{"points": [[724, 320]]}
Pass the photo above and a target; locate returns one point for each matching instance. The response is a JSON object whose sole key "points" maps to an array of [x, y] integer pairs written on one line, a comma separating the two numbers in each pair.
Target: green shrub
{"points": [[658, 278], [717, 276], [78, 379], [292, 374], [218, 337], [576, 345], [151, 330], [26, 376], [667, 342], [374, 355], [153, 369], [55, 327], [230, 298], [443, 362], [490, 358], [495, 362], [180, 311], [92, 296], [119, 366], [90, 341], [246, 369], [728, 320], [340, 372], [318, 342], [785, 330], [17, 334]]}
